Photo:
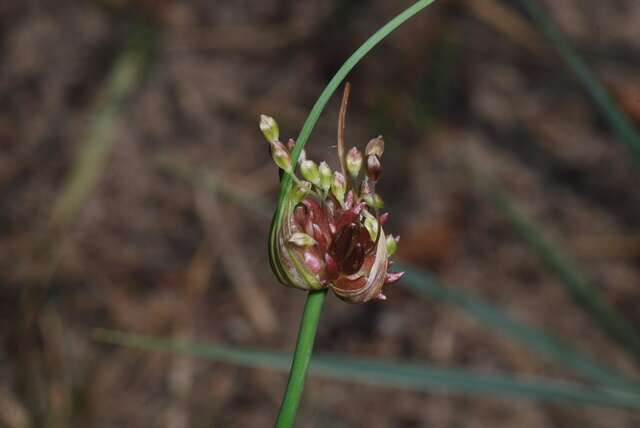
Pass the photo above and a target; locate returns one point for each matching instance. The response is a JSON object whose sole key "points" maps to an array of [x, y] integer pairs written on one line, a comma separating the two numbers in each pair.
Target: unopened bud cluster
{"points": [[329, 233]]}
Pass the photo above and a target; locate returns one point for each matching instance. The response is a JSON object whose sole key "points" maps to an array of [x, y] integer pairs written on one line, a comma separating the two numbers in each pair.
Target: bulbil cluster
{"points": [[329, 232]]}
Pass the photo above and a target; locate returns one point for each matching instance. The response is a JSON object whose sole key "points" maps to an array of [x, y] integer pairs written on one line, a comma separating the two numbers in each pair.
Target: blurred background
{"points": [[136, 195]]}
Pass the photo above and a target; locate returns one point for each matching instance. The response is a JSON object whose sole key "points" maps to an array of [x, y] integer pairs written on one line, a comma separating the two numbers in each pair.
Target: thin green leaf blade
{"points": [[538, 340], [125, 76], [583, 292], [424, 284], [619, 122], [412, 376]]}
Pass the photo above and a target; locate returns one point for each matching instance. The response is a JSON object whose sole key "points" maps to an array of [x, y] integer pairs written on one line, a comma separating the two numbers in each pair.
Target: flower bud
{"points": [[373, 200], [354, 162], [338, 186], [392, 244], [310, 171], [325, 176], [365, 188], [302, 240], [269, 128], [374, 167], [281, 156], [300, 190], [378, 202], [290, 145], [371, 224], [375, 147]]}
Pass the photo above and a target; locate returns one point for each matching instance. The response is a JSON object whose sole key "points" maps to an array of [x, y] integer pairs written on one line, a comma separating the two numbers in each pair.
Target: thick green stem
{"points": [[301, 358]]}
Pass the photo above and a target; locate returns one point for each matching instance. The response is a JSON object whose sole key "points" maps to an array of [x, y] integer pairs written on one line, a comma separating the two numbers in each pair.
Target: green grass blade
{"points": [[418, 377], [92, 157], [425, 285], [618, 121], [583, 292], [536, 339]]}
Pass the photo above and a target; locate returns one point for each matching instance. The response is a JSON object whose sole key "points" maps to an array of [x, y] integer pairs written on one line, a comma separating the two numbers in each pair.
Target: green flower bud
{"points": [[354, 162], [300, 190], [303, 155], [325, 176], [281, 156], [365, 188], [339, 186], [269, 128], [371, 224], [378, 202], [373, 200], [310, 172], [392, 245], [375, 147], [302, 240]]}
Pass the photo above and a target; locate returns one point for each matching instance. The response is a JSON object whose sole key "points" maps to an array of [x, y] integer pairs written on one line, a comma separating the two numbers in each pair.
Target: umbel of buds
{"points": [[328, 232]]}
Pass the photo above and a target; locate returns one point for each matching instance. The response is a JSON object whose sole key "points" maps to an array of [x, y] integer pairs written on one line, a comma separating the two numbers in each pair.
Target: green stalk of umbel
{"points": [[301, 358], [315, 299]]}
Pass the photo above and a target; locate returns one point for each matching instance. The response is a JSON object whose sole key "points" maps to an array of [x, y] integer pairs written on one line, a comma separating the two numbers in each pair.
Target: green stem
{"points": [[333, 84], [301, 358]]}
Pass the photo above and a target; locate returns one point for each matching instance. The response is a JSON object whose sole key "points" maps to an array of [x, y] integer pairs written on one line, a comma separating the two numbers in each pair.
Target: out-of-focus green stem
{"points": [[123, 79], [393, 373], [576, 283], [424, 284], [301, 358], [618, 121]]}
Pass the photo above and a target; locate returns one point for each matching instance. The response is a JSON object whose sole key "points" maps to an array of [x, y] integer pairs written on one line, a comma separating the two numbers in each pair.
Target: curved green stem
{"points": [[301, 358], [333, 84]]}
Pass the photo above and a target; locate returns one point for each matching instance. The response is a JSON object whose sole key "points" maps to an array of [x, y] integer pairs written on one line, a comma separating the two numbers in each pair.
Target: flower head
{"points": [[329, 233]]}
